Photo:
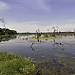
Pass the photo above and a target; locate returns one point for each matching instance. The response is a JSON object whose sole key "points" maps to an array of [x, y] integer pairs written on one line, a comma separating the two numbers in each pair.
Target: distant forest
{"points": [[4, 31]]}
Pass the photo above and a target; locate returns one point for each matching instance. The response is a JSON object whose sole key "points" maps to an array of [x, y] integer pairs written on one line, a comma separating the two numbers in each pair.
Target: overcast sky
{"points": [[30, 15]]}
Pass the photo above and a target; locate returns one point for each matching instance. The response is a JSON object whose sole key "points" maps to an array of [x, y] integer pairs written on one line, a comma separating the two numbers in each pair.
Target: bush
{"points": [[11, 64]]}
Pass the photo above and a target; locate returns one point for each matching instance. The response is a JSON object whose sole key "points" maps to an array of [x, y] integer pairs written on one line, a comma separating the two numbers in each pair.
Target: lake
{"points": [[53, 56]]}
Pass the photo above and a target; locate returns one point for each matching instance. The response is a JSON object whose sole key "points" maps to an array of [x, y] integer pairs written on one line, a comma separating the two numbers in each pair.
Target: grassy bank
{"points": [[12, 64], [46, 37]]}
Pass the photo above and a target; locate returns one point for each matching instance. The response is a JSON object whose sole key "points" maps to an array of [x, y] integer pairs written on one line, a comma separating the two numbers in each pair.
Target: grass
{"points": [[12, 64], [46, 37]]}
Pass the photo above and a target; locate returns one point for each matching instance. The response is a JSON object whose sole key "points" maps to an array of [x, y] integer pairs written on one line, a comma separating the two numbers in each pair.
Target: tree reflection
{"points": [[32, 48], [57, 43], [7, 38]]}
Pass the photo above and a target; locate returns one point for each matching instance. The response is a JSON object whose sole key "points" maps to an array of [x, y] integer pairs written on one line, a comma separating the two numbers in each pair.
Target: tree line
{"points": [[4, 31]]}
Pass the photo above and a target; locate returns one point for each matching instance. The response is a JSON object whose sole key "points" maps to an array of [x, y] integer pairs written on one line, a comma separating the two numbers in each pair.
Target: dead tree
{"points": [[3, 21], [55, 30], [38, 34]]}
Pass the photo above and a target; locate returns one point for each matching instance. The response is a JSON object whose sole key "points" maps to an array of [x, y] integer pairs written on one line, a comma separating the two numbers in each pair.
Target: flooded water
{"points": [[54, 56]]}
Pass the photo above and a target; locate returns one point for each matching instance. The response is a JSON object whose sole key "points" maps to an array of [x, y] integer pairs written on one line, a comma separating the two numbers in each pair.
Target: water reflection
{"points": [[50, 55], [32, 48], [7, 38], [57, 43]]}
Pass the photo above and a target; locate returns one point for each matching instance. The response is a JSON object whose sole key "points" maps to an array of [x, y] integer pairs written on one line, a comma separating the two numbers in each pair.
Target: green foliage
{"points": [[46, 35], [62, 49], [7, 31], [11, 64]]}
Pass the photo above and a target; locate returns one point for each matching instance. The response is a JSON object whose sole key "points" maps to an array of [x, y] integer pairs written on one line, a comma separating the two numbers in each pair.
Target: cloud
{"points": [[41, 4], [71, 20], [23, 27], [32, 26], [3, 6], [67, 27], [37, 4]]}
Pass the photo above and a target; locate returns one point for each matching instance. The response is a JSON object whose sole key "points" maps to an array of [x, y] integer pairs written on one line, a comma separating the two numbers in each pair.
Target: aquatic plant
{"points": [[12, 64]]}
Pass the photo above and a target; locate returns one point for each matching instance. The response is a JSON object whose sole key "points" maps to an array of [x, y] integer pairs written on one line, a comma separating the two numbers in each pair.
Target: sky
{"points": [[30, 15]]}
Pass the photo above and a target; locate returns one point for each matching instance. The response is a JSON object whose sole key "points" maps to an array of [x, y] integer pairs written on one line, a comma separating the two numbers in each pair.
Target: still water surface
{"points": [[55, 56]]}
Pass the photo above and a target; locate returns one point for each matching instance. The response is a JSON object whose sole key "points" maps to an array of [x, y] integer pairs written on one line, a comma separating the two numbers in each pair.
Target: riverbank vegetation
{"points": [[5, 31], [49, 34], [12, 64]]}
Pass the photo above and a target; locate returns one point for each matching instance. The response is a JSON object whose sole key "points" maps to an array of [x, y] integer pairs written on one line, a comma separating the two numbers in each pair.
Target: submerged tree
{"points": [[38, 34], [55, 29]]}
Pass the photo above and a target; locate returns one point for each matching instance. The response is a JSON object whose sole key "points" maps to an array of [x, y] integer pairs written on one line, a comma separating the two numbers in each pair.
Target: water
{"points": [[54, 56]]}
